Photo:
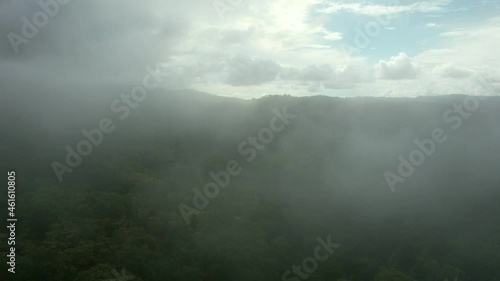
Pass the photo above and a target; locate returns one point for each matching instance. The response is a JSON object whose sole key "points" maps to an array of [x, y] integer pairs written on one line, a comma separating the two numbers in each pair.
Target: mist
{"points": [[237, 140]]}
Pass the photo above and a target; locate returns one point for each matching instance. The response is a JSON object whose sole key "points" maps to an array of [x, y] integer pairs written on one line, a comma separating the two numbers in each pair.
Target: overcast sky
{"points": [[250, 48]]}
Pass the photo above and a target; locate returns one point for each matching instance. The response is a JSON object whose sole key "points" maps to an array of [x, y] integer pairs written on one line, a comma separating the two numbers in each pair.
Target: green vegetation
{"points": [[323, 175]]}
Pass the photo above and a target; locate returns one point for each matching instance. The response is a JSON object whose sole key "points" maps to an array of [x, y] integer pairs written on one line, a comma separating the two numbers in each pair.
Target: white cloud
{"points": [[392, 8], [333, 36], [474, 47], [397, 68]]}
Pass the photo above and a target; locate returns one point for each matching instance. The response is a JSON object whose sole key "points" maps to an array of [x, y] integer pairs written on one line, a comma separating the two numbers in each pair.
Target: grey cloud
{"points": [[182, 75], [93, 40], [450, 71], [244, 71], [237, 36], [324, 76], [316, 73]]}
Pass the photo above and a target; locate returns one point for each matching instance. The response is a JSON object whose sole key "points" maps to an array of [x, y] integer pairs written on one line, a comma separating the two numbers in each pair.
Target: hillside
{"points": [[320, 172]]}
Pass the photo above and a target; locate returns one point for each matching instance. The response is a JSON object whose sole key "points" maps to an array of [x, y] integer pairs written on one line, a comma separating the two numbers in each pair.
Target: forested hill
{"points": [[409, 187]]}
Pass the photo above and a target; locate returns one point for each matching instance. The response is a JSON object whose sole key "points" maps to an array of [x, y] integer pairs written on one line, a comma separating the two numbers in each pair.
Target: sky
{"points": [[251, 48]]}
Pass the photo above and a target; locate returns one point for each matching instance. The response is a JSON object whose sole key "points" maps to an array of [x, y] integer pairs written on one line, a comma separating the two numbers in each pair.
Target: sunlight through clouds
{"points": [[401, 40]]}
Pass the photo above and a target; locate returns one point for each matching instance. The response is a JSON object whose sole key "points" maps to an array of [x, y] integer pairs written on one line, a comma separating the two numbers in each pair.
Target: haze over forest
{"points": [[250, 140]]}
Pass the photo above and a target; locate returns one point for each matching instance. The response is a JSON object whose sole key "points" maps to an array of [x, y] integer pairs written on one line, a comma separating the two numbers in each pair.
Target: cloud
{"points": [[450, 71], [325, 76], [333, 36], [474, 47], [94, 40], [244, 71], [397, 68], [287, 45], [328, 35], [349, 76], [316, 73], [393, 8]]}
